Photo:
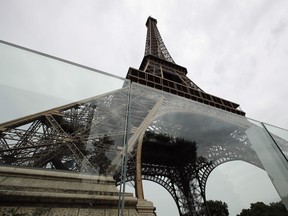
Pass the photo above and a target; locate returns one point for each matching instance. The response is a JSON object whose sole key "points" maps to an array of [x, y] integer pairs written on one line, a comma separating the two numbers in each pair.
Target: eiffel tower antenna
{"points": [[154, 43]]}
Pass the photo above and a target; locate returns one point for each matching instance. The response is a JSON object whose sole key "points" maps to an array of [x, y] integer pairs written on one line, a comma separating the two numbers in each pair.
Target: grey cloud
{"points": [[280, 28]]}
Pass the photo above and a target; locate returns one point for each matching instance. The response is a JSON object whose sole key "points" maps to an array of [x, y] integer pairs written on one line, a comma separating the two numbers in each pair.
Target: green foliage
{"points": [[217, 208], [261, 209]]}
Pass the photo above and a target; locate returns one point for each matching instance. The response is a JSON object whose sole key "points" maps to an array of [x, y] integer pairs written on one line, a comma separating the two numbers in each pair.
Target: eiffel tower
{"points": [[163, 154], [157, 126]]}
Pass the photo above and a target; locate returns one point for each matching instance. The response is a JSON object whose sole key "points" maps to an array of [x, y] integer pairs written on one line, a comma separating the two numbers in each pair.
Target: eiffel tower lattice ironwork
{"points": [[168, 138], [177, 167], [158, 70]]}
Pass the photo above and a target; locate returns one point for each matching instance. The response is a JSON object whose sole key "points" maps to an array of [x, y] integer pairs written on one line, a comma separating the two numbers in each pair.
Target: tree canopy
{"points": [[217, 208], [261, 209]]}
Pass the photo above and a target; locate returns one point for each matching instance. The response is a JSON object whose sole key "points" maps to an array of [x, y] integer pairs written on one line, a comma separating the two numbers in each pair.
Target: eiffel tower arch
{"points": [[156, 125], [181, 144]]}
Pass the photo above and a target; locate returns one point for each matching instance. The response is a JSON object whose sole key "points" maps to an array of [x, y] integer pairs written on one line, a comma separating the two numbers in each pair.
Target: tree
{"points": [[217, 208], [261, 209]]}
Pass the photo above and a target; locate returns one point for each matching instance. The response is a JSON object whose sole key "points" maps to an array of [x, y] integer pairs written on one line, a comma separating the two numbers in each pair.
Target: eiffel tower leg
{"points": [[183, 192], [188, 207]]}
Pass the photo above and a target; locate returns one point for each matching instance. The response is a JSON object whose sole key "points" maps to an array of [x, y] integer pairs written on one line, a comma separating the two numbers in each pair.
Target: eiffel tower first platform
{"points": [[70, 134]]}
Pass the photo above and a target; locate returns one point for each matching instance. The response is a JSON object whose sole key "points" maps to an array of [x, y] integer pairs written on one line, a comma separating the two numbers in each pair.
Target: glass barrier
{"points": [[62, 134], [32, 82], [79, 132], [280, 137], [200, 154]]}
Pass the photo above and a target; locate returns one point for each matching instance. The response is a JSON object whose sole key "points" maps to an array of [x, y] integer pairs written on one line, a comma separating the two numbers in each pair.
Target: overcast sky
{"points": [[232, 49]]}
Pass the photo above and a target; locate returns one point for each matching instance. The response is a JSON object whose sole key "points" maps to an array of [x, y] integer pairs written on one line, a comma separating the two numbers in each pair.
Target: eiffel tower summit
{"points": [[75, 145]]}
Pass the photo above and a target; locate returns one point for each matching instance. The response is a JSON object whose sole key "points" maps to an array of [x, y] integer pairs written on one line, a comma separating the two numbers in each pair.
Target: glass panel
{"points": [[84, 138], [68, 136], [280, 136], [201, 155], [32, 82], [184, 145], [239, 184], [272, 160]]}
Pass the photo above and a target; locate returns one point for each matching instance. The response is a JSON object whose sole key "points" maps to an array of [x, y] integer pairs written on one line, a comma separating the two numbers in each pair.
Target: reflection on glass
{"points": [[217, 137], [85, 136], [32, 82]]}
